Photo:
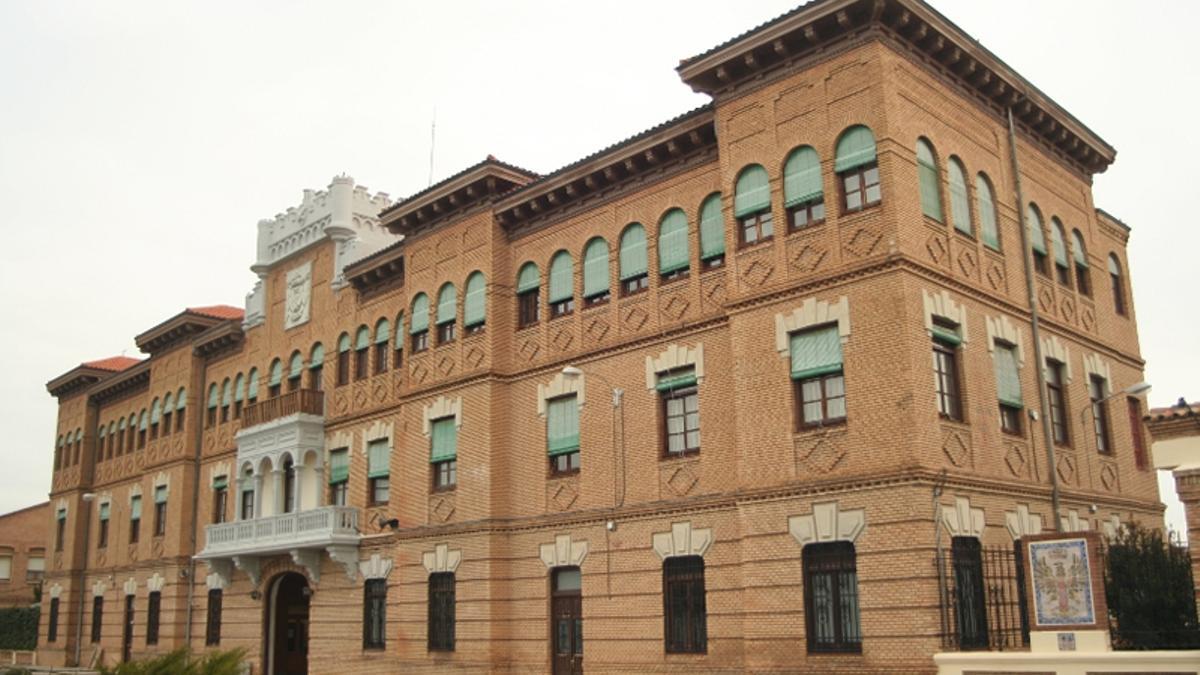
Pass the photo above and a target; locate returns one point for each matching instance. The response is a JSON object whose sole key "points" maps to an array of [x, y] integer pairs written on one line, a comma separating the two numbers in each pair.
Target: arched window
{"points": [[528, 303], [131, 438], [275, 383], [930, 180], [857, 169], [475, 304], [1118, 286], [751, 206], [239, 395], [226, 399], [155, 417], [562, 285], [180, 408], [960, 200], [214, 399], [252, 387], [362, 352], [419, 323], [673, 254], [316, 366], [1037, 239], [112, 436], [383, 337], [120, 437], [447, 313], [295, 370], [343, 362], [985, 204], [143, 428], [595, 272], [712, 232], [634, 272], [168, 413], [803, 189], [398, 342], [1083, 279], [1062, 265]]}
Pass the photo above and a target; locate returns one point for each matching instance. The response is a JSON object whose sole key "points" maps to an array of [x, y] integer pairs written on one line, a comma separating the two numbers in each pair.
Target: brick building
{"points": [[758, 388], [22, 555]]}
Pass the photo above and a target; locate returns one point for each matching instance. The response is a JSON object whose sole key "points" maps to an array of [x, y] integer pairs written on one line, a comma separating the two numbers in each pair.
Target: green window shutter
{"points": [[444, 445], [816, 351], [562, 425], [168, 403], [712, 228], [1008, 379], [987, 212], [226, 392], [802, 177], [102, 432], [562, 277], [595, 268], [753, 191], [399, 331], [855, 148], [1080, 250], [297, 366], [239, 388], [142, 421], [447, 309], [160, 494], [949, 336], [960, 202], [252, 385], [378, 458], [673, 242], [1037, 238], [213, 396], [419, 323], [1114, 267], [317, 359], [339, 466], [383, 331], [120, 427], [475, 300], [528, 278], [155, 412], [344, 343], [104, 511], [1060, 244], [633, 252], [362, 338], [276, 373], [676, 379], [135, 507], [220, 482], [62, 514], [79, 432], [181, 399], [930, 180]]}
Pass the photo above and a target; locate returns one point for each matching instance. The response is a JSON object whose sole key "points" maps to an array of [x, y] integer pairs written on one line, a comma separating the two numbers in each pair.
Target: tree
{"points": [[1151, 600]]}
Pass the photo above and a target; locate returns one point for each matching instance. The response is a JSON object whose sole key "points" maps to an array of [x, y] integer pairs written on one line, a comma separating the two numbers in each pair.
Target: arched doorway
{"points": [[286, 626]]}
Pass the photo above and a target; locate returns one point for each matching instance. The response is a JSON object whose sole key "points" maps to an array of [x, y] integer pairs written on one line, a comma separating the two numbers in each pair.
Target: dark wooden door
{"points": [[127, 630], [566, 623], [291, 626]]}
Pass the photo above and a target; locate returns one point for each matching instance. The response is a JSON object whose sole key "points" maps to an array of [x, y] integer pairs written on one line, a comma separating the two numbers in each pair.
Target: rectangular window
{"points": [[635, 284], [819, 387], [248, 501], [160, 510], [945, 368], [562, 308], [446, 332], [35, 569], [443, 453], [339, 476], [1135, 428], [528, 308], [294, 381], [861, 188], [381, 357], [52, 624], [1008, 387], [135, 518], [441, 612], [179, 415], [102, 538], [361, 363], [338, 493], [420, 341], [378, 470], [445, 475], [153, 609], [970, 608], [374, 613], [343, 367], [1041, 262], [314, 377], [212, 624], [831, 597], [6, 567], [1059, 421], [680, 419], [1100, 415], [220, 502], [1083, 279], [562, 434], [60, 531], [756, 228], [806, 214], [684, 612], [97, 617]]}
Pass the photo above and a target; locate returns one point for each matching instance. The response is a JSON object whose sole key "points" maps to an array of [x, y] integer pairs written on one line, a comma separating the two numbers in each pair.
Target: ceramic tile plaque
{"points": [[1062, 583]]}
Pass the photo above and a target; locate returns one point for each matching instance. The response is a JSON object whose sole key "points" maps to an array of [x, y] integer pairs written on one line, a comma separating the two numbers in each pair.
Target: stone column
{"points": [[277, 486], [322, 493], [1187, 485], [258, 495], [298, 491]]}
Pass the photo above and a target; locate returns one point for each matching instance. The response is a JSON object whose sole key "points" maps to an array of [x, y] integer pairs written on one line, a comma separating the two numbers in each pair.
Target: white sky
{"points": [[140, 142]]}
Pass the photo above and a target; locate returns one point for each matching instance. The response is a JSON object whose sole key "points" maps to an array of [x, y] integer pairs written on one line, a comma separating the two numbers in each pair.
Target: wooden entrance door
{"points": [[566, 622], [127, 630], [291, 626]]}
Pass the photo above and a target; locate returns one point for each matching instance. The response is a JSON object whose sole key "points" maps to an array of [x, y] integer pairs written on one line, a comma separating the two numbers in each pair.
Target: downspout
{"points": [[92, 418], [197, 436], [1040, 364], [938, 489]]}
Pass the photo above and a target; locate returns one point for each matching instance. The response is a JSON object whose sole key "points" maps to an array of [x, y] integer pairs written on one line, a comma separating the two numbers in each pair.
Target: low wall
{"points": [[1068, 663]]}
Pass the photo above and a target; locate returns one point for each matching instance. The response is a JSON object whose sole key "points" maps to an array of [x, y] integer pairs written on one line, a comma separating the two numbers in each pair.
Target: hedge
{"points": [[19, 627]]}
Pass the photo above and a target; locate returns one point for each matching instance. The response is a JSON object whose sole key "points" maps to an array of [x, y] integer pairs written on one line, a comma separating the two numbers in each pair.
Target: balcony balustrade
{"points": [[308, 401], [303, 535]]}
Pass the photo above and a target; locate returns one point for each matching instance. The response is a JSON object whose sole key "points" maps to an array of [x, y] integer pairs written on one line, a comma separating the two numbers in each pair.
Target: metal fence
{"points": [[982, 593]]}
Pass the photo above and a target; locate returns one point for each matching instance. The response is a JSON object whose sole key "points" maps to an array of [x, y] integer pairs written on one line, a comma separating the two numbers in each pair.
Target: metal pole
{"points": [[87, 530], [1047, 433]]}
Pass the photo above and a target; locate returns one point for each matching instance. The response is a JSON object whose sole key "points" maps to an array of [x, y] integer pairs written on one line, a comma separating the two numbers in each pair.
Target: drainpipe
{"points": [[1043, 397], [197, 385]]}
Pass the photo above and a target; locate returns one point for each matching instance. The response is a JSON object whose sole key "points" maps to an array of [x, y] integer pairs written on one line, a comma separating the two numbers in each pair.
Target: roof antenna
{"points": [[432, 143]]}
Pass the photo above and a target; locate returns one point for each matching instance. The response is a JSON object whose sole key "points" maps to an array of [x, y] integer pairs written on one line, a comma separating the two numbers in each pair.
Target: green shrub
{"points": [[1150, 596], [18, 627], [182, 662]]}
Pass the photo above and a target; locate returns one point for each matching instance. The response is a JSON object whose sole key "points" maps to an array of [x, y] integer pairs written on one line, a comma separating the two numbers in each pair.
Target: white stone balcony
{"points": [[303, 535]]}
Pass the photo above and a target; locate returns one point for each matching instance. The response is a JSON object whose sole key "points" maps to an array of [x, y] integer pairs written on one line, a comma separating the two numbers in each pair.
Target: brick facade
{"points": [[881, 480], [23, 543]]}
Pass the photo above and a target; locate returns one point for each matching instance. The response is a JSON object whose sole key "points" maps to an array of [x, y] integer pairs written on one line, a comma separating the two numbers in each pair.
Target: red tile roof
{"points": [[1180, 409], [113, 363], [219, 312]]}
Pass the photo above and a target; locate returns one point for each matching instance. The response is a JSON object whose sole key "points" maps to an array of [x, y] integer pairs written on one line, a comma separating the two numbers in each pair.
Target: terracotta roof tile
{"points": [[113, 363], [1181, 409], [219, 311]]}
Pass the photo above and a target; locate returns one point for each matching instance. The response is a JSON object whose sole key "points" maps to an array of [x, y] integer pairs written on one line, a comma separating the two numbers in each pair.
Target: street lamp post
{"points": [[1131, 390], [88, 498]]}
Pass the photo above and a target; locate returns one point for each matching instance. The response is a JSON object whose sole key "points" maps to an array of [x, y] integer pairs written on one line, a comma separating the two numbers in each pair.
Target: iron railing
{"points": [[982, 597]]}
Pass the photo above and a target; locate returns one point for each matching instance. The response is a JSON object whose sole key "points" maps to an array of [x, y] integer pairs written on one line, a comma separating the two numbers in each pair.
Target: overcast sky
{"points": [[140, 142]]}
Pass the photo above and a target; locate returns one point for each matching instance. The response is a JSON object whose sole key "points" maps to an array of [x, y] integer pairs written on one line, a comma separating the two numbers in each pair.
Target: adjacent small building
{"points": [[23, 539]]}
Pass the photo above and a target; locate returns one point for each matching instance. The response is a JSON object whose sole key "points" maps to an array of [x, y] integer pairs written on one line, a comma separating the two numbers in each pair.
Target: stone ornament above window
{"points": [[1094, 364], [961, 520], [941, 304], [1003, 329], [563, 552], [162, 480], [135, 491], [61, 506], [561, 385], [1053, 349], [130, 586], [156, 583], [378, 430], [442, 407], [99, 588], [1022, 523], [441, 559], [812, 313], [217, 470], [299, 295], [672, 358], [56, 591], [215, 582], [1071, 522], [377, 567], [682, 540], [827, 523], [338, 441]]}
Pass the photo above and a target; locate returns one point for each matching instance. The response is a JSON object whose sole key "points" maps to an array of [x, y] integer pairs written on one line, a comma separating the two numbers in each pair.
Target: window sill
{"points": [[688, 454], [846, 213], [598, 302], [839, 423], [674, 277], [845, 651], [965, 235], [746, 246], [556, 475], [528, 326], [634, 294], [815, 225]]}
